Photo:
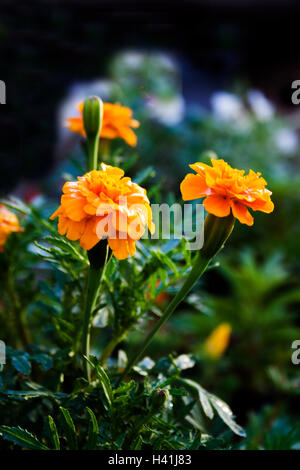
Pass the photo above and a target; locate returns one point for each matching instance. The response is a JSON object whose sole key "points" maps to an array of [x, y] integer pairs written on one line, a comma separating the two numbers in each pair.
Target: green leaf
{"points": [[93, 431], [69, 428], [209, 401], [137, 443], [22, 438], [226, 415], [26, 394], [144, 175], [21, 364], [44, 360], [178, 391], [196, 442], [53, 433], [104, 380], [203, 397]]}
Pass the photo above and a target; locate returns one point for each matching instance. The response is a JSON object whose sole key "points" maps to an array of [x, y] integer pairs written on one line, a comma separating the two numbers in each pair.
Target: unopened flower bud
{"points": [[92, 116], [159, 398]]}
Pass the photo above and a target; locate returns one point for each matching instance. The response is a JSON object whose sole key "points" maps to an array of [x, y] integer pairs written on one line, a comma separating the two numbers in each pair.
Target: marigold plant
{"points": [[227, 189], [117, 123]]}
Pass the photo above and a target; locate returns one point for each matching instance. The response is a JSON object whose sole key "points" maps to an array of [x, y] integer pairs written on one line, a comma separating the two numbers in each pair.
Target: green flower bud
{"points": [[92, 116], [159, 398]]}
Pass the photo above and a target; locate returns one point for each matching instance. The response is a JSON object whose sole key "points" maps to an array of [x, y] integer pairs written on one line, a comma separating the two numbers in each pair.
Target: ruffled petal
{"points": [[119, 247], [193, 187], [75, 229], [63, 223], [261, 205], [89, 238], [74, 207], [217, 205], [241, 212]]}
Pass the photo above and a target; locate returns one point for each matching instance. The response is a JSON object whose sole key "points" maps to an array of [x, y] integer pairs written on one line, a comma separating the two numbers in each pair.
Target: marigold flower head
{"points": [[117, 122], [227, 189], [104, 204], [218, 340], [8, 223]]}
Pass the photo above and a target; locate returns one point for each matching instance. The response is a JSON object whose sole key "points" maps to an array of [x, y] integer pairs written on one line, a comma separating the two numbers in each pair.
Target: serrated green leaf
{"points": [[137, 443], [93, 431], [53, 433], [226, 415], [22, 438], [104, 380], [203, 397], [69, 428]]}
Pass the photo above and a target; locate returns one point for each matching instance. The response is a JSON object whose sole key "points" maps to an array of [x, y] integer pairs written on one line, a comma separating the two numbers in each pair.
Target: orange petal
{"points": [[193, 187], [131, 247], [74, 206], [75, 230], [119, 248], [76, 125], [217, 205], [263, 206], [89, 238], [241, 212], [63, 224], [129, 136], [112, 170]]}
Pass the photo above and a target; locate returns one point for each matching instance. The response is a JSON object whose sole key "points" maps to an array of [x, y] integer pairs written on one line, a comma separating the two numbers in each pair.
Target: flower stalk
{"points": [[216, 232], [92, 119], [22, 338]]}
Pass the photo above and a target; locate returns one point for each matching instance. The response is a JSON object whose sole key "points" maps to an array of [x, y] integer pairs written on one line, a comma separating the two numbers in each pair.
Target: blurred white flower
{"points": [[286, 141], [166, 61], [132, 59], [260, 105], [168, 111], [226, 105], [78, 92], [229, 107]]}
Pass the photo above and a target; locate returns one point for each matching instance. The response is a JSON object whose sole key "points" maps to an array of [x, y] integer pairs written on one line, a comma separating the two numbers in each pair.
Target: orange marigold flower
{"points": [[104, 204], [225, 189], [117, 122], [8, 223], [218, 340]]}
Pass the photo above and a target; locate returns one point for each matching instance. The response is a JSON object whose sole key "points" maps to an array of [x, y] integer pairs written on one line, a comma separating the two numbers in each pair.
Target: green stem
{"points": [[95, 276], [93, 144], [216, 232], [18, 313], [111, 346]]}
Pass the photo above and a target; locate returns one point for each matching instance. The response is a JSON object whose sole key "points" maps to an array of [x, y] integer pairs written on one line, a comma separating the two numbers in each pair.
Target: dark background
{"points": [[47, 45]]}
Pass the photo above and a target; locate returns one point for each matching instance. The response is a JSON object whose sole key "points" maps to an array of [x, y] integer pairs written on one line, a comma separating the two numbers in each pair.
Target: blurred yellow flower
{"points": [[117, 122], [217, 342], [8, 223]]}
